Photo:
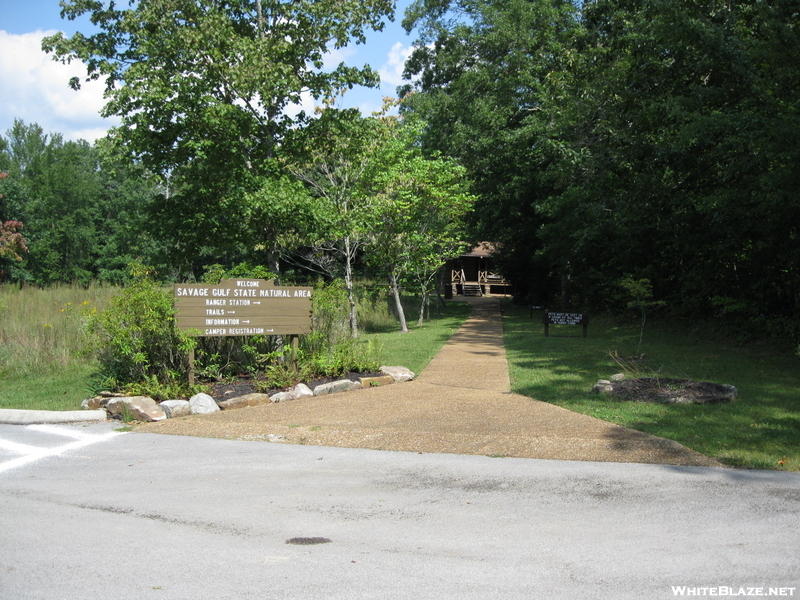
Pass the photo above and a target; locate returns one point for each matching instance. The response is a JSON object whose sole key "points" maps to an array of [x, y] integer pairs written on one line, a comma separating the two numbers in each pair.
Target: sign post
{"points": [[243, 307]]}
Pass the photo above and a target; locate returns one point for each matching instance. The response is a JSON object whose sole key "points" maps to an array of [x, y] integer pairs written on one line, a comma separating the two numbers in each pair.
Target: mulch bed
{"points": [[672, 391], [244, 385]]}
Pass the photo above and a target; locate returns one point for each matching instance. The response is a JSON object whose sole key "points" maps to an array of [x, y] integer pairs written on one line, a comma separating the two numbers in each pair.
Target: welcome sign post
{"points": [[242, 307]]}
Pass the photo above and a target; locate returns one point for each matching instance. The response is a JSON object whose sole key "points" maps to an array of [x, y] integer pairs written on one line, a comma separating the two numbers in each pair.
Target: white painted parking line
{"points": [[17, 448], [30, 453]]}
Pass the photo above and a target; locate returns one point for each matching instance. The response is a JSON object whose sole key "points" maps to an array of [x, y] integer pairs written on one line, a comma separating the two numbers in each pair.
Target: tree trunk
{"points": [[348, 284], [439, 299], [397, 303], [564, 284], [274, 264], [422, 307]]}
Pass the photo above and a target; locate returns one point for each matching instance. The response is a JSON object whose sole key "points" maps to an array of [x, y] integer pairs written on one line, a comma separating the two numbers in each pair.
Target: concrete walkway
{"points": [[474, 357], [459, 404]]}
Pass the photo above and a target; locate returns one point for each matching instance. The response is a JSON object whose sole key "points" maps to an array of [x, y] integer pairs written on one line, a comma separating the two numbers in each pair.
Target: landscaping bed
{"points": [[244, 385]]}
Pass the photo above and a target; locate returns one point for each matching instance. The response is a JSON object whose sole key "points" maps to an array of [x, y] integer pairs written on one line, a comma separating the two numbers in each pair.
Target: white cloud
{"points": [[306, 104], [35, 88], [334, 56], [392, 70]]}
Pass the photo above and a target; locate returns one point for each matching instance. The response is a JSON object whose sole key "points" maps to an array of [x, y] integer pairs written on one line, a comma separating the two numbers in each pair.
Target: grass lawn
{"points": [[415, 349], [760, 429], [57, 390]]}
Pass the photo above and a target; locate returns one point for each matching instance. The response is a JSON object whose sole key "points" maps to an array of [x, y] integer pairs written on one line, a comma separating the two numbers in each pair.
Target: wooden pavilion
{"points": [[473, 274]]}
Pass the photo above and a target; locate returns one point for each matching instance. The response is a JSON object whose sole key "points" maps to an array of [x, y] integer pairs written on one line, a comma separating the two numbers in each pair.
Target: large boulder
{"points": [[176, 408], [399, 374], [140, 408], [203, 404], [368, 382], [301, 390], [100, 401], [342, 385], [244, 401], [95, 403]]}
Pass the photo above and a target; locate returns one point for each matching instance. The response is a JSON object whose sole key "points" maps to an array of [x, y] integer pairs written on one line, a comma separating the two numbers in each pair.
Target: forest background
{"points": [[600, 142]]}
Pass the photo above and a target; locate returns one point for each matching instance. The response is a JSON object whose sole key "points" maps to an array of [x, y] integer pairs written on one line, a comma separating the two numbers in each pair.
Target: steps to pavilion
{"points": [[472, 289]]}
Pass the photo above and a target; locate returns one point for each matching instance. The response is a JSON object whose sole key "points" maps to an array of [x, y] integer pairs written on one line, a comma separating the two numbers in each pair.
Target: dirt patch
{"points": [[672, 391]]}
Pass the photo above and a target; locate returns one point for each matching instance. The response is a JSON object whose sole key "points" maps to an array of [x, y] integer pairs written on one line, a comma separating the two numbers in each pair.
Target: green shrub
{"points": [[348, 355], [215, 273], [160, 390], [135, 339], [330, 317]]}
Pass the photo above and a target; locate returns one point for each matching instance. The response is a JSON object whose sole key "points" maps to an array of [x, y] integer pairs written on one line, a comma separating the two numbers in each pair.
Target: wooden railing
{"points": [[489, 277], [486, 279]]}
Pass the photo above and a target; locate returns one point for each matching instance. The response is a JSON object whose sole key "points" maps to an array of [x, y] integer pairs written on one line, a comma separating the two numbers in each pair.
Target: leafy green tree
{"points": [[205, 89], [632, 136], [687, 128], [63, 215], [55, 197], [336, 154], [423, 204], [639, 296], [380, 199], [492, 83], [12, 242], [84, 209], [126, 232]]}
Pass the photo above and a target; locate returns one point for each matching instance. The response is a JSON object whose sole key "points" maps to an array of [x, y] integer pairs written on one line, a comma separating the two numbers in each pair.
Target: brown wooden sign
{"points": [[243, 307]]}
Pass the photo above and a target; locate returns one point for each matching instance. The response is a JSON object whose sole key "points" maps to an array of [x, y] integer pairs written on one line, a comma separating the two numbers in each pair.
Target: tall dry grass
{"points": [[43, 329]]}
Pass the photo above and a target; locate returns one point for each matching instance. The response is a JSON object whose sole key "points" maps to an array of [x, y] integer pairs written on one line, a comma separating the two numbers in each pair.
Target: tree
{"points": [[83, 208], [640, 294], [12, 244], [380, 199], [335, 156], [423, 204], [126, 233], [631, 137], [687, 131], [492, 83], [204, 88], [56, 197]]}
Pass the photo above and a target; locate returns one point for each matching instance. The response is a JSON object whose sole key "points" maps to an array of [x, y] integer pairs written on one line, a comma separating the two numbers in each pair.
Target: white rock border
{"points": [[143, 408]]}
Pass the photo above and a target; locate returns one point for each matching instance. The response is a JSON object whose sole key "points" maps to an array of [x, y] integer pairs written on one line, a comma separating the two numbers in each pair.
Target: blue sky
{"points": [[35, 88]]}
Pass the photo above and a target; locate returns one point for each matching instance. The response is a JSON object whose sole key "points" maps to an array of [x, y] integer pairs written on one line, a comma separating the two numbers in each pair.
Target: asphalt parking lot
{"points": [[154, 516]]}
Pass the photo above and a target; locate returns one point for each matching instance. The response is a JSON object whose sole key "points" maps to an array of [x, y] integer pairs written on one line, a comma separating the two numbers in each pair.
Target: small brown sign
{"points": [[243, 307]]}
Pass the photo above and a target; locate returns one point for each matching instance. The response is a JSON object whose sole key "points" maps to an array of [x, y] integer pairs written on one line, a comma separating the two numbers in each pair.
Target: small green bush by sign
{"points": [[135, 339]]}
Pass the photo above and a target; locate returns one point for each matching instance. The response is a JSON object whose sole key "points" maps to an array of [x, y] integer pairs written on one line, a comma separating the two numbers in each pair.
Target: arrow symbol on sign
{"points": [[257, 303], [245, 321], [231, 312]]}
